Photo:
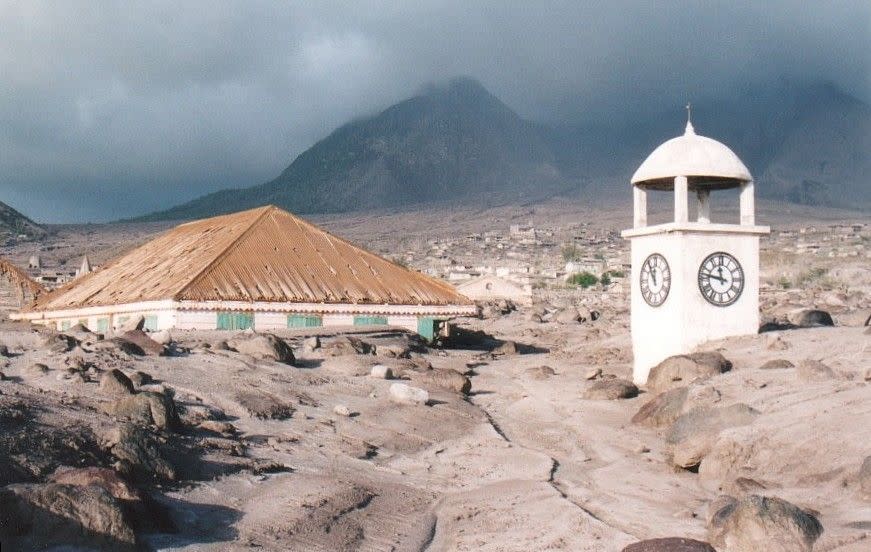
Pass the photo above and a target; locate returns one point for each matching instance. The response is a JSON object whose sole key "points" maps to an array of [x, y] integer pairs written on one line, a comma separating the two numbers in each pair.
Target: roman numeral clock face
{"points": [[655, 280], [721, 279]]}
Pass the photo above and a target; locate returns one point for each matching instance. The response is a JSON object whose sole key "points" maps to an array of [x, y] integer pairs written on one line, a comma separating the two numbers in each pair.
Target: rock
{"points": [[133, 323], [381, 372], [341, 410], [147, 408], [139, 454], [142, 340], [610, 389], [777, 344], [101, 477], [37, 369], [568, 315], [777, 364], [115, 383], [506, 348], [3, 376], [118, 344], [140, 378], [4, 351], [679, 370], [865, 476], [264, 406], [540, 372], [60, 343], [346, 345], [810, 370], [693, 434], [311, 344], [663, 409], [405, 394], [39, 516], [670, 544], [393, 350], [444, 378], [810, 318], [264, 346], [193, 414], [593, 374], [756, 523], [163, 337], [215, 426]]}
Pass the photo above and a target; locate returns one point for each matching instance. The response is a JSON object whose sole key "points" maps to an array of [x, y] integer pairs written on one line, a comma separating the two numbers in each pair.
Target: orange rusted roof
{"points": [[265, 254]]}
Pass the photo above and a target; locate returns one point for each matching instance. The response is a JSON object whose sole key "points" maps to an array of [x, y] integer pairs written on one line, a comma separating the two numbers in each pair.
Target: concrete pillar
{"points": [[703, 210], [681, 207], [748, 204], [639, 196]]}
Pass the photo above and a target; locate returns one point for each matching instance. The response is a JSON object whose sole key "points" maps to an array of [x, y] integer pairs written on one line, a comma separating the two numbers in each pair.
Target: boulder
{"points": [[264, 347], [540, 372], [610, 389], [593, 374], [133, 323], [810, 318], [60, 343], [140, 378], [756, 523], [663, 409], [4, 351], [118, 344], [115, 383], [346, 345], [147, 408], [163, 337], [104, 478], [670, 544], [401, 393], [139, 454], [381, 372], [40, 516], [265, 406], [809, 370], [341, 410], [679, 370], [36, 370], [222, 428], [506, 348], [693, 434], [142, 340], [777, 364], [568, 315], [311, 344], [444, 378], [393, 349]]}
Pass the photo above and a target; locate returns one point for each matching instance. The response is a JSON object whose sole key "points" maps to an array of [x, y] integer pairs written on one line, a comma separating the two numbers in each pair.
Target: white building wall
{"points": [[196, 320], [266, 321], [407, 322], [338, 319]]}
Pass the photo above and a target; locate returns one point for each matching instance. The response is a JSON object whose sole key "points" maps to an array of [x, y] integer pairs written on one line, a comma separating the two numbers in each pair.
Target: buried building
{"points": [[264, 269]]}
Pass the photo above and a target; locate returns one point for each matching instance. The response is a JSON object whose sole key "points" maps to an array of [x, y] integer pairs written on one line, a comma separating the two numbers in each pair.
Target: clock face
{"points": [[721, 279], [655, 280]]}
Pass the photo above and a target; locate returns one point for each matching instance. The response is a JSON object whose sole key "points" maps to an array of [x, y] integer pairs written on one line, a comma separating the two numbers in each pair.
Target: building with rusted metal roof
{"points": [[263, 268]]}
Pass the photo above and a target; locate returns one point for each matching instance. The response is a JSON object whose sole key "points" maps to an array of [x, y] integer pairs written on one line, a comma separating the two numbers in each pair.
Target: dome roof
{"points": [[704, 161]]}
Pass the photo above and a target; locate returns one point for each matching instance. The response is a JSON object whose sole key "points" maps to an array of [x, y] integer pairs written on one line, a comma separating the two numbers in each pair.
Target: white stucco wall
{"points": [[686, 320]]}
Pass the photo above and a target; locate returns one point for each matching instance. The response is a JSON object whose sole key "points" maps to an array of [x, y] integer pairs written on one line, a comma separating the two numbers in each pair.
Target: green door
{"points": [[370, 320], [235, 320], [304, 321]]}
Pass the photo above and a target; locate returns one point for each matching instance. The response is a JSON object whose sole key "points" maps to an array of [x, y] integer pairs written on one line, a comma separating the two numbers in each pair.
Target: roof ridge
{"points": [[223, 254]]}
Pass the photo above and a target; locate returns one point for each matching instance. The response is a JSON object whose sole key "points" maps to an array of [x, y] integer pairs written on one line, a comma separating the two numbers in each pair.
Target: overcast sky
{"points": [[111, 109]]}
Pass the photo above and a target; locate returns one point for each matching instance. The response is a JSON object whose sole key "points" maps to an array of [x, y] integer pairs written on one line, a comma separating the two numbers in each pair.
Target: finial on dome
{"points": [[689, 128]]}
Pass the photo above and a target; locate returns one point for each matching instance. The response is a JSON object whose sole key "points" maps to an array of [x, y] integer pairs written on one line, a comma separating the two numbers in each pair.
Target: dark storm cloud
{"points": [[114, 109]]}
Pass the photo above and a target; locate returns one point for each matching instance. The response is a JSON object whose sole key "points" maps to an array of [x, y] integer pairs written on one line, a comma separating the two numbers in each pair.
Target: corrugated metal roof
{"points": [[264, 254]]}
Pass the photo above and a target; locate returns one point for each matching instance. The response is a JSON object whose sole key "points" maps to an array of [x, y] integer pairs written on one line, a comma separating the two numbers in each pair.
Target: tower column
{"points": [[748, 204], [639, 196], [703, 210], [681, 207]]}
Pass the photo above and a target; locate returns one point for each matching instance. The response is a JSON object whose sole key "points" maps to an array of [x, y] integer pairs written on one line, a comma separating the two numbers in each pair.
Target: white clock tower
{"points": [[692, 280]]}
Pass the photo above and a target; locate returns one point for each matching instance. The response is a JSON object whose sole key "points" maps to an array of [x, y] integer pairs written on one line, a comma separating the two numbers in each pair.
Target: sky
{"points": [[113, 109]]}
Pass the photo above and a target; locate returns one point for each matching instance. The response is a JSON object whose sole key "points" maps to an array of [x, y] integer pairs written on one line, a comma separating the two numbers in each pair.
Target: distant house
{"points": [[263, 268], [491, 287]]}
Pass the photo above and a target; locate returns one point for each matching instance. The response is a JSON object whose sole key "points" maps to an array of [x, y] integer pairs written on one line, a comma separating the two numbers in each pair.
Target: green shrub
{"points": [[605, 279], [583, 279]]}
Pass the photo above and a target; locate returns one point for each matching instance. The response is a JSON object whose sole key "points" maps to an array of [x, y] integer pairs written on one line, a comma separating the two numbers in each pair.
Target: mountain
{"points": [[14, 224], [451, 143], [457, 143]]}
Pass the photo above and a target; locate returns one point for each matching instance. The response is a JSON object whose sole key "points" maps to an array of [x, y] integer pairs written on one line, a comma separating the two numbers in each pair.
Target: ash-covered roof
{"points": [[264, 254]]}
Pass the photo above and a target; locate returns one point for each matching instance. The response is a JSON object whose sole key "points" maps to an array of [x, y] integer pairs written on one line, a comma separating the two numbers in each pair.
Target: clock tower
{"points": [[692, 280]]}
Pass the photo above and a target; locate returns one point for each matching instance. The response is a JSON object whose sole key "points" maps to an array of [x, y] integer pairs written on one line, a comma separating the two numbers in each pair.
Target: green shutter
{"points": [[150, 323], [65, 325], [102, 324], [235, 320], [304, 321], [427, 327], [370, 320]]}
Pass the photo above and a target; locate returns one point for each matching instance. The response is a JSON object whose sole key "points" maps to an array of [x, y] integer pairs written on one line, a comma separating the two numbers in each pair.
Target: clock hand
{"points": [[719, 278], [653, 276]]}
